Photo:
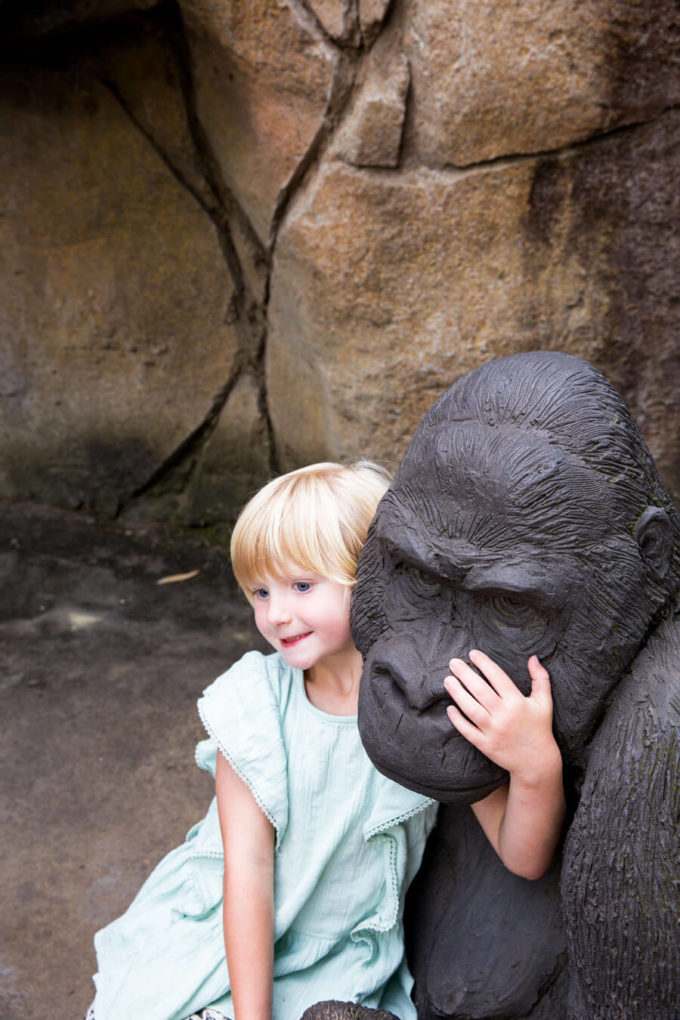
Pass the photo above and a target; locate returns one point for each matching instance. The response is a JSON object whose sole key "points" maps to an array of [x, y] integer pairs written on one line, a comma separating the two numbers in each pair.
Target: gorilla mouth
{"points": [[415, 744], [445, 788]]}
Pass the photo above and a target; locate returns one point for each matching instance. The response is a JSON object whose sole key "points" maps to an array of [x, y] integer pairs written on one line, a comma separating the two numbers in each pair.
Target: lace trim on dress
{"points": [[239, 772], [391, 823]]}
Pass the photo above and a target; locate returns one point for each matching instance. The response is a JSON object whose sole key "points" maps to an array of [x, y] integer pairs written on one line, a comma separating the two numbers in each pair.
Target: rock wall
{"points": [[240, 235]]}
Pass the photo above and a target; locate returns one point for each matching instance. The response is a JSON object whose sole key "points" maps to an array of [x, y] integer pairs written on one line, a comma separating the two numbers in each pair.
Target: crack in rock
{"points": [[189, 448]]}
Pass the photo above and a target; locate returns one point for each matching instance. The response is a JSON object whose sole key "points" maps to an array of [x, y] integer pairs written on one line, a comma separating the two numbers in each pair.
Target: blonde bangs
{"points": [[315, 519]]}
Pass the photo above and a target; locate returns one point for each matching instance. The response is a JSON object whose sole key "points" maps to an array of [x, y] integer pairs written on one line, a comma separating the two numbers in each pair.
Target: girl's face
{"points": [[304, 616]]}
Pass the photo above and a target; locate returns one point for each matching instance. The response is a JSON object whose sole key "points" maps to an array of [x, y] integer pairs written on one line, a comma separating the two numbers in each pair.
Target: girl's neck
{"points": [[332, 684]]}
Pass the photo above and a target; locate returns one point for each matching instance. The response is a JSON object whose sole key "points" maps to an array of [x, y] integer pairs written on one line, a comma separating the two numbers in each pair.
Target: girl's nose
{"points": [[279, 611]]}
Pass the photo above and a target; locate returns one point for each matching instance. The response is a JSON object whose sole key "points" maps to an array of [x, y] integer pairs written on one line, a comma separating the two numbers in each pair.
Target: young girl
{"points": [[295, 879]]}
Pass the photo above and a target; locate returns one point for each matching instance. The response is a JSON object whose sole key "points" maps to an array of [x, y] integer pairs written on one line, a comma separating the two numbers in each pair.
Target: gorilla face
{"points": [[498, 540]]}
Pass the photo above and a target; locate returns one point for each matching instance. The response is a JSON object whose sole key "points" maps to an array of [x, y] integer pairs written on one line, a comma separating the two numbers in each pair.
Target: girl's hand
{"points": [[512, 730], [522, 819]]}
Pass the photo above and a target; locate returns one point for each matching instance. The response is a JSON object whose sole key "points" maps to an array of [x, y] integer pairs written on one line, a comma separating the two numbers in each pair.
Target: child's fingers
{"points": [[465, 701], [463, 725], [498, 678], [540, 680], [480, 689]]}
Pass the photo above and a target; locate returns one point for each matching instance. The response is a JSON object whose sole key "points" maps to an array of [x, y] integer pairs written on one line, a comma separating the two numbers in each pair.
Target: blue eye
{"points": [[302, 586], [261, 593]]}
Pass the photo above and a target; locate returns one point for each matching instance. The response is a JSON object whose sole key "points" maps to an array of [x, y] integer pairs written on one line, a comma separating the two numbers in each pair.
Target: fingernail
{"points": [[456, 662]]}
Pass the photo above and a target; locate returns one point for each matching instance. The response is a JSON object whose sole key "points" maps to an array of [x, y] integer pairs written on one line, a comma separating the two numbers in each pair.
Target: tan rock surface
{"points": [[373, 130], [501, 78], [234, 462], [146, 78], [312, 215], [114, 297], [366, 333], [372, 13], [430, 273], [263, 82], [337, 17]]}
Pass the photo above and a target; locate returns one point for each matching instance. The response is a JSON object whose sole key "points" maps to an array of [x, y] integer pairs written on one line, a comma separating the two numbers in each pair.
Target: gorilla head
{"points": [[526, 516]]}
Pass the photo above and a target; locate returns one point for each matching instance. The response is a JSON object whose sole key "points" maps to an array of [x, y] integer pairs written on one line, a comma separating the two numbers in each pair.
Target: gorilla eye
{"points": [[514, 611], [412, 593], [513, 622], [508, 604], [420, 580]]}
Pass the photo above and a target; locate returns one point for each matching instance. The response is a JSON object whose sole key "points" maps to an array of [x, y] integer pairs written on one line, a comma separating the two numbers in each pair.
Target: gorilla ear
{"points": [[653, 535]]}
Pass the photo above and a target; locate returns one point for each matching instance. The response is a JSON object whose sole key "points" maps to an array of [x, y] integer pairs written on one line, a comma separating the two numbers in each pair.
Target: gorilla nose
{"points": [[421, 685]]}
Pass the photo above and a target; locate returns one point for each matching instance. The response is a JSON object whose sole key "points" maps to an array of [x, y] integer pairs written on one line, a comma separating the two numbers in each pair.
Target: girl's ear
{"points": [[654, 536]]}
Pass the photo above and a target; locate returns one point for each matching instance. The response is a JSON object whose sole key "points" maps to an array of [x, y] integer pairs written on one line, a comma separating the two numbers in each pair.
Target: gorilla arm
{"points": [[522, 819]]}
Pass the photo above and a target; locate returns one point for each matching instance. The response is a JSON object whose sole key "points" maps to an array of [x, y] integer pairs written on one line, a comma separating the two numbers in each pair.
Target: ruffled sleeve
{"points": [[242, 715], [399, 825], [395, 805]]}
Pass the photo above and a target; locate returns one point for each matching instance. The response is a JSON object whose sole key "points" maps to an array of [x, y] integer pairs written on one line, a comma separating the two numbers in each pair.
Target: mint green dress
{"points": [[348, 842]]}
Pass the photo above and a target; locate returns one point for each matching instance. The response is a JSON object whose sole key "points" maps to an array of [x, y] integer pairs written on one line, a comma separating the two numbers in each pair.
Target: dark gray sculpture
{"points": [[528, 516], [334, 1010]]}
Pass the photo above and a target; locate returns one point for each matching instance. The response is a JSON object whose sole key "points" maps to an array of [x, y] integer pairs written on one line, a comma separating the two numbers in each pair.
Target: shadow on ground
{"points": [[102, 667]]}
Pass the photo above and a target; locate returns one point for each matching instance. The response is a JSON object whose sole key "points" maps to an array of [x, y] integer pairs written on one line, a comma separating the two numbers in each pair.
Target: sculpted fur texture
{"points": [[527, 516]]}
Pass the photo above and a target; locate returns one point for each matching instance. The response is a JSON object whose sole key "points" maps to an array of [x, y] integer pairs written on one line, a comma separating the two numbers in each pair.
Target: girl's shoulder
{"points": [[256, 683], [249, 696], [241, 712], [253, 678]]}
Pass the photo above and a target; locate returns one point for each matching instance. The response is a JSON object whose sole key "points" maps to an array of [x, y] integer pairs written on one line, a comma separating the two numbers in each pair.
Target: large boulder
{"points": [[499, 79], [238, 237], [263, 82], [114, 297], [429, 274]]}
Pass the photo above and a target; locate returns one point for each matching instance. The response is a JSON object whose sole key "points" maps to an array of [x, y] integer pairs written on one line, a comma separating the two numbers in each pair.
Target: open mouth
{"points": [[289, 642]]}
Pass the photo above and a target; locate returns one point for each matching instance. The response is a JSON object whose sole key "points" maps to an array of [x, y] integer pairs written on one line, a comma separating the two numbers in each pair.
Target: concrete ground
{"points": [[101, 669]]}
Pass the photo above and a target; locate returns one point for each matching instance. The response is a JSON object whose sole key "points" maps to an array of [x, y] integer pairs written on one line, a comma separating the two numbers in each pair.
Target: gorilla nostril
{"points": [[427, 696], [383, 682], [420, 694]]}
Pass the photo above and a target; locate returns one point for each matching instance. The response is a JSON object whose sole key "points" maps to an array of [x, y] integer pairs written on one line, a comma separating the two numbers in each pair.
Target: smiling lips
{"points": [[288, 642]]}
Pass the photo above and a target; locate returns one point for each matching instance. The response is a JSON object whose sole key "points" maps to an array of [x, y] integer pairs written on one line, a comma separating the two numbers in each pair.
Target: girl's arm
{"points": [[523, 819], [248, 910]]}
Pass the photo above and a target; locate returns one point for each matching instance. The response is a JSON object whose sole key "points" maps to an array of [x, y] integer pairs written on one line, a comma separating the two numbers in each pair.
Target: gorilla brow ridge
{"points": [[411, 500]]}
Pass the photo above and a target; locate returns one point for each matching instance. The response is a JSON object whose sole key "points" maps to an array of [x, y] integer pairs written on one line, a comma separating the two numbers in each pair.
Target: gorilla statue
{"points": [[528, 516]]}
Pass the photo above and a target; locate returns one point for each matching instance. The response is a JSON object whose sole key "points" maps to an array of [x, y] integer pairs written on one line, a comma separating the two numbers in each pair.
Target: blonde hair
{"points": [[316, 518]]}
